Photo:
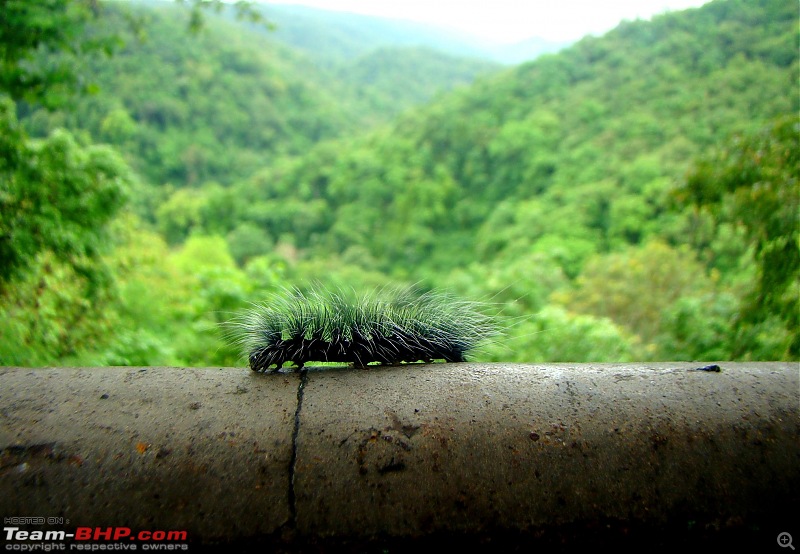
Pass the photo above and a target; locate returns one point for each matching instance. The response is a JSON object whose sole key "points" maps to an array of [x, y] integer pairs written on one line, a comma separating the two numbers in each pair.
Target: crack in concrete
{"points": [[293, 459]]}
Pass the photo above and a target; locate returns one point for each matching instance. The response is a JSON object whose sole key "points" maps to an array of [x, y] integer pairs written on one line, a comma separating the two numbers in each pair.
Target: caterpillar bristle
{"points": [[387, 326]]}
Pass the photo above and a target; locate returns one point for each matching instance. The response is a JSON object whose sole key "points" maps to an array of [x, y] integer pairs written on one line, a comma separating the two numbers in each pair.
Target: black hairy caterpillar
{"points": [[387, 326]]}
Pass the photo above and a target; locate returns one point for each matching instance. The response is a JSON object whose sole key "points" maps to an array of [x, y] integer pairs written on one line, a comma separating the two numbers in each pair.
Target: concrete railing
{"points": [[496, 456]]}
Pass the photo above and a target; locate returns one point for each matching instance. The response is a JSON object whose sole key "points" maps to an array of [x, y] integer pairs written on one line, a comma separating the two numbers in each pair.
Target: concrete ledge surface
{"points": [[487, 454]]}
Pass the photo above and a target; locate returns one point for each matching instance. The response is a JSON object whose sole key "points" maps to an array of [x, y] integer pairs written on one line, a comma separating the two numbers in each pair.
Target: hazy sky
{"points": [[510, 20]]}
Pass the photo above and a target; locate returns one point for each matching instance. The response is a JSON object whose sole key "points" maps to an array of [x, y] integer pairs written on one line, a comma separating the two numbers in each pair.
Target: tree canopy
{"points": [[634, 196]]}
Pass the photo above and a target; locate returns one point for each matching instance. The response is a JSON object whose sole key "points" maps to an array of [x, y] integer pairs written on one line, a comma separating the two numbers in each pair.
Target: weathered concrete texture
{"points": [[493, 448], [203, 450], [399, 454]]}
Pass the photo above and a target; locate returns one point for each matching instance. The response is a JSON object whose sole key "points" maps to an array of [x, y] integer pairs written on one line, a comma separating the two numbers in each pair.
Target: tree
{"points": [[555, 335], [633, 288], [29, 29], [753, 182], [62, 296], [56, 196]]}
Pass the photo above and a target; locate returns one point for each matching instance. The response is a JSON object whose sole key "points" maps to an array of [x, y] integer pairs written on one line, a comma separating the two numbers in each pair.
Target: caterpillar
{"points": [[387, 326]]}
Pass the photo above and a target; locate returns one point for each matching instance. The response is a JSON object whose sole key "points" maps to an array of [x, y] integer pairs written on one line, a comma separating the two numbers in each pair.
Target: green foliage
{"points": [[635, 287], [380, 79], [554, 335], [218, 104], [243, 8], [58, 196], [55, 196], [549, 148], [753, 183], [170, 304], [57, 200], [54, 313], [151, 303], [30, 30], [698, 328], [248, 241], [185, 117], [594, 198]]}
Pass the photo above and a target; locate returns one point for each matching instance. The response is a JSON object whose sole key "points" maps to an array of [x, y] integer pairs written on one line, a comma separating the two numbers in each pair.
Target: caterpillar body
{"points": [[386, 326]]}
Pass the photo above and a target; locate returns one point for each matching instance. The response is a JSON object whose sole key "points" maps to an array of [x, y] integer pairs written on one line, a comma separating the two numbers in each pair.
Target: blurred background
{"points": [[616, 185]]}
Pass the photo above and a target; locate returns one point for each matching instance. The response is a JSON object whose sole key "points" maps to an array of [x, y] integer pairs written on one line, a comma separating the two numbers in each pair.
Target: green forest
{"points": [[632, 197]]}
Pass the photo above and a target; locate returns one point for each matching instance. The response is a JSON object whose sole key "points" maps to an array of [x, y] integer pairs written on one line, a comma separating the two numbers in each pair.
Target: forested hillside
{"points": [[216, 105], [634, 196]]}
